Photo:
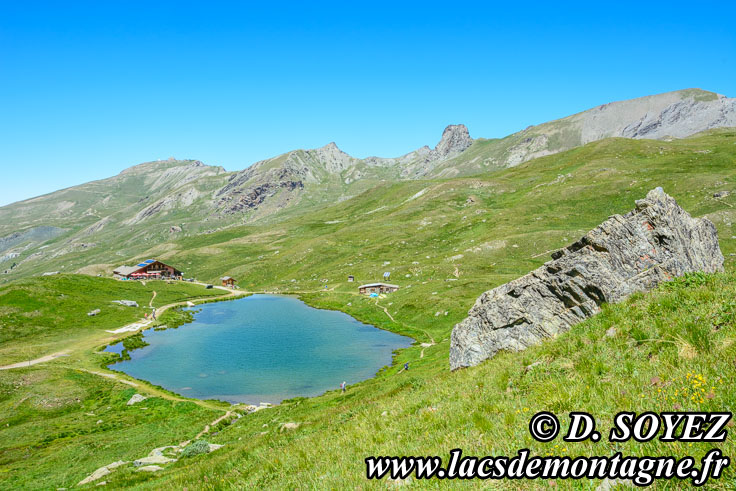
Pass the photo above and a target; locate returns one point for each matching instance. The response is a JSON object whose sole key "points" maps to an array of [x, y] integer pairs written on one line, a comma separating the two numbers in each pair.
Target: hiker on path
{"points": [[342, 386], [154, 314], [406, 366]]}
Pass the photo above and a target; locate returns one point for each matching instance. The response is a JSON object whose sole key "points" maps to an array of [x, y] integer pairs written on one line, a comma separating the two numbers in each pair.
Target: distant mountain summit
{"points": [[455, 139], [281, 180], [670, 115]]}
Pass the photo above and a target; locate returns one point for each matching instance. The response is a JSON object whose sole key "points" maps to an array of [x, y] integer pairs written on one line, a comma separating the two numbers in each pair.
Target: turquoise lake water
{"points": [[261, 348]]}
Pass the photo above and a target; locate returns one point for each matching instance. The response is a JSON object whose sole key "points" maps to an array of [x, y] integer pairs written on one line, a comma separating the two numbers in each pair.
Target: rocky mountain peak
{"points": [[455, 139], [332, 158], [330, 147]]}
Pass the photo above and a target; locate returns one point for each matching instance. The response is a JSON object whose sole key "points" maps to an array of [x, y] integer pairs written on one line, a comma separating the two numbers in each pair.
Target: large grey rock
{"points": [[101, 472], [136, 399], [126, 303], [153, 460], [655, 242]]}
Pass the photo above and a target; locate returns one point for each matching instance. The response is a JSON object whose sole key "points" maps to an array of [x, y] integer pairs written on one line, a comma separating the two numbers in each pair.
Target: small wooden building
{"points": [[377, 288], [351, 278], [148, 269], [228, 281]]}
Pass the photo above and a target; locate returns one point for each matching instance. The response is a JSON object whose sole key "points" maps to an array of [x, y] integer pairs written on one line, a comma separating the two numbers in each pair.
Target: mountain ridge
{"points": [[146, 204]]}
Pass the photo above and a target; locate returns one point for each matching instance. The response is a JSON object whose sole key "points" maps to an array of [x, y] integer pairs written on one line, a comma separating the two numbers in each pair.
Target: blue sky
{"points": [[90, 88]]}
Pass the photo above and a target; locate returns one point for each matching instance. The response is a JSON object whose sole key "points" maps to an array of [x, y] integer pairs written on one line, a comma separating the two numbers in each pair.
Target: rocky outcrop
{"points": [[684, 118], [95, 227], [251, 197], [675, 114], [249, 189], [455, 139], [532, 145], [35, 234], [655, 242], [180, 199]]}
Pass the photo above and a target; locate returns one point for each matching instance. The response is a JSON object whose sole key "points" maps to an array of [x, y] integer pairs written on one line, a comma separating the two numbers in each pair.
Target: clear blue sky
{"points": [[90, 88]]}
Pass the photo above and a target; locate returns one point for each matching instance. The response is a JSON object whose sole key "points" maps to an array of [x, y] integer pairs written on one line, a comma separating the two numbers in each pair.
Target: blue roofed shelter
{"points": [[148, 269]]}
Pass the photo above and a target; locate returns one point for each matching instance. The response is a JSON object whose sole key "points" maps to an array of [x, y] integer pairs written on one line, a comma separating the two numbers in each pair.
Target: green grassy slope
{"points": [[62, 420], [456, 238], [59, 424]]}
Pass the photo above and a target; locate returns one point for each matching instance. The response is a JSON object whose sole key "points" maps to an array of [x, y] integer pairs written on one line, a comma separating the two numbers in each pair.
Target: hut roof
{"points": [[125, 270], [370, 285]]}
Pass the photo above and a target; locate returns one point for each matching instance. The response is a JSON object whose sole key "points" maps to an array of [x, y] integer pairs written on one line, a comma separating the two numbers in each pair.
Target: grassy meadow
{"points": [[444, 241], [42, 315]]}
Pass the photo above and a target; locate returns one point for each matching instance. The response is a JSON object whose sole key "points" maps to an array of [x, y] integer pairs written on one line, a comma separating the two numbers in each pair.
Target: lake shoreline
{"points": [[303, 298]]}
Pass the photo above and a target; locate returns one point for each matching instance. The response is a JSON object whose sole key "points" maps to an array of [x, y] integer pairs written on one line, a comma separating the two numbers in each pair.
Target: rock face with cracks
{"points": [[655, 242]]}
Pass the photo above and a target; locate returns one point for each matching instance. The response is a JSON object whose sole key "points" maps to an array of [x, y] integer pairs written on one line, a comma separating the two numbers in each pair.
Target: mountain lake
{"points": [[261, 348]]}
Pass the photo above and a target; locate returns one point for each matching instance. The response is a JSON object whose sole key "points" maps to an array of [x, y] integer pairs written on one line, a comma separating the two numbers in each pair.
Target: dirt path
{"points": [[150, 391], [28, 363], [150, 304], [159, 451], [207, 427], [424, 345], [385, 310]]}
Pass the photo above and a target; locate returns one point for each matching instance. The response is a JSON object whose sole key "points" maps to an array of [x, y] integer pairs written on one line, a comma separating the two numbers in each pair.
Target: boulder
{"points": [[101, 472], [655, 242], [93, 312], [153, 459], [150, 468], [127, 303], [136, 399], [160, 450]]}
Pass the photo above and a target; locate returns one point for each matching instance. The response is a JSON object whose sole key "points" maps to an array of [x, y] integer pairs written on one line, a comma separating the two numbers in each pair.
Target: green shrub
{"points": [[197, 448]]}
